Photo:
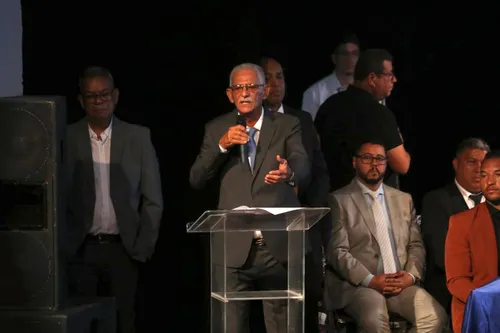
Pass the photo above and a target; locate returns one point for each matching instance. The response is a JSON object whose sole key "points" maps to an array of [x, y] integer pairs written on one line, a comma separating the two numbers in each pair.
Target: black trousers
{"points": [[103, 268]]}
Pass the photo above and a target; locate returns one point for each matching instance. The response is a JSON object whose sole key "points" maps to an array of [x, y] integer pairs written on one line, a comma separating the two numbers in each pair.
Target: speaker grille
{"points": [[32, 207], [24, 143], [27, 267]]}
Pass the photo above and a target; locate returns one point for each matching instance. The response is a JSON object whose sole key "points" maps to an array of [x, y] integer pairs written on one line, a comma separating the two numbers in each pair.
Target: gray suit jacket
{"points": [[353, 251], [135, 187], [280, 135]]}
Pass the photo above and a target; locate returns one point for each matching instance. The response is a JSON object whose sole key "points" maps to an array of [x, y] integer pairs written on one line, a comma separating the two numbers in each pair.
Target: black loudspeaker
{"points": [[87, 316], [32, 209]]}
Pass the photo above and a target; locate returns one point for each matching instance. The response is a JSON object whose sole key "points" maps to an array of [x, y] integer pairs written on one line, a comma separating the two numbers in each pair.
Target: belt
{"points": [[103, 238]]}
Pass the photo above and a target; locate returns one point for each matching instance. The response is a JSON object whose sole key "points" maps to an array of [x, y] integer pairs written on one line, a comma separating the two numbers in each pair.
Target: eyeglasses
{"points": [[346, 53], [368, 159], [390, 76], [251, 87], [103, 96]]}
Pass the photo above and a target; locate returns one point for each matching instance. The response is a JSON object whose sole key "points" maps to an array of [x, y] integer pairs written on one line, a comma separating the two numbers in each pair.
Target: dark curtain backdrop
{"points": [[172, 65]]}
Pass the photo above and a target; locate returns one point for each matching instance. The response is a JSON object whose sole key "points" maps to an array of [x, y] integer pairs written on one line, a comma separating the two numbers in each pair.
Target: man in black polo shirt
{"points": [[356, 115]]}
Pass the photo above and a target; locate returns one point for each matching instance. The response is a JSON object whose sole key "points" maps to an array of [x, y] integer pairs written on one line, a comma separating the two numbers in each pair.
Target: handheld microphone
{"points": [[241, 121]]}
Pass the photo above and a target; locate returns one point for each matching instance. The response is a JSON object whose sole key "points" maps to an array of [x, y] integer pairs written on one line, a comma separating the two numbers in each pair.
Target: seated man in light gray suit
{"points": [[274, 161], [376, 255]]}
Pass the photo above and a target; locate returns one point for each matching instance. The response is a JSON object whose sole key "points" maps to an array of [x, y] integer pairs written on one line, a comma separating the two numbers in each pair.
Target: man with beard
{"points": [[471, 253], [376, 256]]}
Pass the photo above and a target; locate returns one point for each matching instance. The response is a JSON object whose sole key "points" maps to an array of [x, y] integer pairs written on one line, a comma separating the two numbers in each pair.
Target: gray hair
{"points": [[472, 143], [93, 72], [260, 72]]}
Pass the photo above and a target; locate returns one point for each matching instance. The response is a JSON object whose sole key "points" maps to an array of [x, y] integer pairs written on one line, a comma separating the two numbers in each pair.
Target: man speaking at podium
{"points": [[259, 159]]}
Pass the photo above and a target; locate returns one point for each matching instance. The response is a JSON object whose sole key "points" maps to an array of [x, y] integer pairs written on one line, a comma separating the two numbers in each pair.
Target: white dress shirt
{"points": [[316, 94], [104, 213], [465, 194]]}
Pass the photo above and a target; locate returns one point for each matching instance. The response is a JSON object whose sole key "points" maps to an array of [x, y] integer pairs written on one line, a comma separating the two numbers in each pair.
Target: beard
{"points": [[371, 181], [494, 202]]}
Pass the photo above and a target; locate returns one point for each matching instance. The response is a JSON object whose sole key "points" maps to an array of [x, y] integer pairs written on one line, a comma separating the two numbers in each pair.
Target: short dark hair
{"points": [[346, 38], [93, 72], [264, 59], [492, 154], [371, 61], [372, 141], [472, 143]]}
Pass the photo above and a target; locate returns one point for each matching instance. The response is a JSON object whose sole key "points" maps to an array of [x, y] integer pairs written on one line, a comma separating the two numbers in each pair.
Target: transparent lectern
{"points": [[291, 222]]}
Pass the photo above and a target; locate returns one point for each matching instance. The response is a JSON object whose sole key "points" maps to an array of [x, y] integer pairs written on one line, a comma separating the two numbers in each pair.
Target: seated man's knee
{"points": [[430, 314], [375, 321], [374, 316], [439, 316]]}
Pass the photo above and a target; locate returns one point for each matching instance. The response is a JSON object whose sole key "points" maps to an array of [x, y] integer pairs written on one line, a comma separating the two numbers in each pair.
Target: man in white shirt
{"points": [[344, 58], [115, 201], [438, 205]]}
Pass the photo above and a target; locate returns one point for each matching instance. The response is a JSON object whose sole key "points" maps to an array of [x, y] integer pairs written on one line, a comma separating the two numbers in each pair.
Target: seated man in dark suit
{"points": [[437, 207], [275, 162], [472, 246]]}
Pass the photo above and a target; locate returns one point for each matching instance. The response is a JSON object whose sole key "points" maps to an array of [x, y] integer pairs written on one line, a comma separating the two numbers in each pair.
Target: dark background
{"points": [[171, 62]]}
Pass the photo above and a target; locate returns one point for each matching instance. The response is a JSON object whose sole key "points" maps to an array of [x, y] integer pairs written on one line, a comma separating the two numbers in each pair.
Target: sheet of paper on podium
{"points": [[271, 210]]}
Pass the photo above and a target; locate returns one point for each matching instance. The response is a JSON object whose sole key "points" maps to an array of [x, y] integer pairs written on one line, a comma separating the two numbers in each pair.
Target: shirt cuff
{"points": [[413, 277], [222, 150], [291, 180], [366, 281]]}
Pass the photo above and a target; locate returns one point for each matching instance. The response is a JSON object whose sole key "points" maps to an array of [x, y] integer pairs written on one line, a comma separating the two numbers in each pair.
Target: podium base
{"points": [[79, 316], [257, 295]]}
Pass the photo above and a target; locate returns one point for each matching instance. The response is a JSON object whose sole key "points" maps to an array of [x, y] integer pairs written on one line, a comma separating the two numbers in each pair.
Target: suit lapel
{"points": [[287, 110], [117, 145], [117, 141], [365, 211], [487, 238], [85, 149], [458, 203], [265, 138], [393, 205]]}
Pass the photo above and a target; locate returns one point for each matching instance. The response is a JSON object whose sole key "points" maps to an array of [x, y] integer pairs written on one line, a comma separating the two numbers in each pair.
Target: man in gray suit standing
{"points": [[376, 255], [274, 162], [115, 200]]}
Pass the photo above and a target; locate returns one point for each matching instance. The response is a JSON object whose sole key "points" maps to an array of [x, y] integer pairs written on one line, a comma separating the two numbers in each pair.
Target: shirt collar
{"points": [[366, 190], [105, 135], [258, 124], [463, 191], [334, 80], [281, 110]]}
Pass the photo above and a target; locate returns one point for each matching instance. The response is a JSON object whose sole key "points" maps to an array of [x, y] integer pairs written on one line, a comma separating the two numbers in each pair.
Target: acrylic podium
{"points": [[293, 221]]}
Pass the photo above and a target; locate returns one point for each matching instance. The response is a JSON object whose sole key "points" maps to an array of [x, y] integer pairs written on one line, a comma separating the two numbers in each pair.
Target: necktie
{"points": [[384, 242], [476, 198], [252, 146]]}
